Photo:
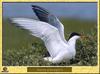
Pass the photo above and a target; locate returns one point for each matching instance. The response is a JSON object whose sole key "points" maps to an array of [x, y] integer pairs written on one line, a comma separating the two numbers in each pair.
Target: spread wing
{"points": [[37, 28], [46, 16], [40, 29]]}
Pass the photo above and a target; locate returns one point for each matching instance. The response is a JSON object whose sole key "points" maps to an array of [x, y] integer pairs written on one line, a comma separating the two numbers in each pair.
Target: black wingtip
{"points": [[34, 6], [38, 9]]}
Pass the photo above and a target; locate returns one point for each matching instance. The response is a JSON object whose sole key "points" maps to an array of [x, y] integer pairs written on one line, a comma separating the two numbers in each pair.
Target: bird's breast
{"points": [[55, 46]]}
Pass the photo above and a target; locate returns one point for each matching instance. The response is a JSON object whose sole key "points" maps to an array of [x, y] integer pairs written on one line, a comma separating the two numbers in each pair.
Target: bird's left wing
{"points": [[43, 30], [37, 28]]}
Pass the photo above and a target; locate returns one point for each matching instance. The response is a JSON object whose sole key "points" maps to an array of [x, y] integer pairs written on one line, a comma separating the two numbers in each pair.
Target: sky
{"points": [[67, 10]]}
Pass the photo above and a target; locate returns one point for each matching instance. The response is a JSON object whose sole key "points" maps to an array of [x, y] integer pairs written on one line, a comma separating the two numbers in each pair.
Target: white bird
{"points": [[51, 31]]}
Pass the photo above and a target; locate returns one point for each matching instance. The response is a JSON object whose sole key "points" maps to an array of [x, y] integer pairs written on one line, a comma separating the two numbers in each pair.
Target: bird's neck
{"points": [[72, 42]]}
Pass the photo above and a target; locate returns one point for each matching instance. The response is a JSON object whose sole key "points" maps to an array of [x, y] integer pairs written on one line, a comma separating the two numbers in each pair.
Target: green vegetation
{"points": [[18, 49]]}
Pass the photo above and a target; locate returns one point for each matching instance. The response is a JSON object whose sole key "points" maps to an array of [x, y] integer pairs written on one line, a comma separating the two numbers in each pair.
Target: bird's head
{"points": [[76, 36]]}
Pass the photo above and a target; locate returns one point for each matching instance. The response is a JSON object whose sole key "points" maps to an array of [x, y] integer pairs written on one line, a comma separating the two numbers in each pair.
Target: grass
{"points": [[18, 49]]}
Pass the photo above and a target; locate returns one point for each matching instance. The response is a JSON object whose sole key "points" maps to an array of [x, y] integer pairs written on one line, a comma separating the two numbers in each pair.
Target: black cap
{"points": [[73, 34]]}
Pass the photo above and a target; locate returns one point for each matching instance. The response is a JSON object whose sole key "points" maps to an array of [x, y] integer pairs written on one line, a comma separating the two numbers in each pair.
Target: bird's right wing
{"points": [[45, 16], [37, 28]]}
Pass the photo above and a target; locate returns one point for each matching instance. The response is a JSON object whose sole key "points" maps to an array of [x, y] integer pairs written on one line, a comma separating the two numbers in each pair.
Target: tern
{"points": [[49, 29]]}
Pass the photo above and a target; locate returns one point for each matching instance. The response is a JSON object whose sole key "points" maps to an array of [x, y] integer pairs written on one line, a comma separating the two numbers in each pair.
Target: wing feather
{"points": [[37, 28], [46, 16]]}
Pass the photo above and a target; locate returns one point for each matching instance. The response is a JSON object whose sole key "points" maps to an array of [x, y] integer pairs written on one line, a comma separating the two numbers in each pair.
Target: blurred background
{"points": [[76, 17], [65, 10]]}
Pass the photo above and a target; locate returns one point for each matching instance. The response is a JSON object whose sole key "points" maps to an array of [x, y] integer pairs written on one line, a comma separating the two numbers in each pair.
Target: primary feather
{"points": [[45, 16]]}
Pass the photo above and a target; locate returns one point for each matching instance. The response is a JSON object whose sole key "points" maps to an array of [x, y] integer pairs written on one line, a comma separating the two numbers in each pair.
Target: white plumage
{"points": [[51, 31]]}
